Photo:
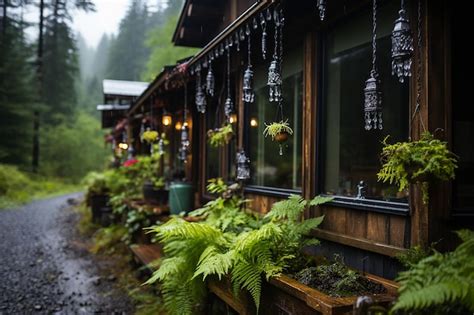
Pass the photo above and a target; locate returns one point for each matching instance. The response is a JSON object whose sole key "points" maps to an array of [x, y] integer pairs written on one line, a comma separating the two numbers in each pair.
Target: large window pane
{"points": [[351, 153], [268, 167]]}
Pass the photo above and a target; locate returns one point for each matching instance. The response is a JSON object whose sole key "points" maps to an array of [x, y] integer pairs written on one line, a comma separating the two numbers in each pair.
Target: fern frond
{"points": [[319, 200], [289, 209], [248, 276], [309, 224], [214, 262]]}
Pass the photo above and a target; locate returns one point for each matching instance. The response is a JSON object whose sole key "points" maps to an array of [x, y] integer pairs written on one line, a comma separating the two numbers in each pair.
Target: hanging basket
{"points": [[281, 137]]}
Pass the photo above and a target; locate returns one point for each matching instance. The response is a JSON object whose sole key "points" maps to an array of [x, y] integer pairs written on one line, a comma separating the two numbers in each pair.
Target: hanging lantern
{"points": [[161, 146], [228, 107], [274, 81], [321, 4], [373, 103], [248, 93], [274, 71], [184, 145], [402, 46], [210, 81], [167, 119], [200, 96], [243, 166], [372, 91]]}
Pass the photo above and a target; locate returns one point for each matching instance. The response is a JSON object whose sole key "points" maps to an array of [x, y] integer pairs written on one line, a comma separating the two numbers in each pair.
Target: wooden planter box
{"points": [[286, 296]]}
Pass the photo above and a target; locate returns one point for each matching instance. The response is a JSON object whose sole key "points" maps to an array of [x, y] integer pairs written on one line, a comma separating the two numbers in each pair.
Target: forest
{"points": [[51, 82]]}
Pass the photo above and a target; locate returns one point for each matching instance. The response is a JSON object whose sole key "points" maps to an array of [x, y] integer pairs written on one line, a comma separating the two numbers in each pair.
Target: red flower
{"points": [[130, 162]]}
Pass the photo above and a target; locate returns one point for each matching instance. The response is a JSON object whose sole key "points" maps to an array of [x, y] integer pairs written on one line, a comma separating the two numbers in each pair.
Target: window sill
{"points": [[386, 207], [271, 191]]}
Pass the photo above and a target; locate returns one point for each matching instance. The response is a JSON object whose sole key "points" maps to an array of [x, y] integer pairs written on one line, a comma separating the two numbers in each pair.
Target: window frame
{"points": [[369, 205]]}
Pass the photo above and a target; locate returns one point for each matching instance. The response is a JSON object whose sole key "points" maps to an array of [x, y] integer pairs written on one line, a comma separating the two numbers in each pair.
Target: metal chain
{"points": [[280, 64], [374, 35], [185, 101], [249, 50], [228, 72], [419, 69]]}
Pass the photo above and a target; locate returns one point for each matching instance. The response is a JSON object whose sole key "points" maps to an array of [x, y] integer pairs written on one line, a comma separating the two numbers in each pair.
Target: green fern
{"points": [[440, 279]]}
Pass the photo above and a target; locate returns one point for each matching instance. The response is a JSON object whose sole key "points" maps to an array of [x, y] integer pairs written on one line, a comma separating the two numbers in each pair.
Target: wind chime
{"points": [[210, 80], [229, 104], [248, 95], [402, 46], [321, 4], [243, 166], [274, 72], [200, 96], [184, 145], [263, 25], [372, 92]]}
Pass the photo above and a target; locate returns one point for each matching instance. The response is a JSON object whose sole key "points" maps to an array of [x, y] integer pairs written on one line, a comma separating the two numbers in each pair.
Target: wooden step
{"points": [[145, 254]]}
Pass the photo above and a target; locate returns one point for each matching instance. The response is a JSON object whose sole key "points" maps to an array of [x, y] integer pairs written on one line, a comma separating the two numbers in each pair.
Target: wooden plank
{"points": [[377, 227], [397, 231], [241, 304], [146, 254], [361, 243], [356, 223], [334, 219]]}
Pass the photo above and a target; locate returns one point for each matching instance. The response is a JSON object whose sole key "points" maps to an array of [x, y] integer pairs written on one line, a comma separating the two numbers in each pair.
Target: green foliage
{"points": [[276, 128], [17, 187], [221, 136], [72, 149], [106, 239], [230, 241], [422, 161], [413, 255], [163, 51], [440, 281]]}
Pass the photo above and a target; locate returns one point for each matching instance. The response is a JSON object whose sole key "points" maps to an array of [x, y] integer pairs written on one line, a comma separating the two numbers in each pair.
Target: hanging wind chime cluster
{"points": [[185, 143], [401, 53]]}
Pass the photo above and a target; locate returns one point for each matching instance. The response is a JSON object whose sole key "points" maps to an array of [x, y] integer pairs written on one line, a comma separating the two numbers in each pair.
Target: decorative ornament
{"points": [[402, 46], [229, 104], [161, 146], [263, 24], [184, 145], [200, 96], [274, 72], [322, 8], [243, 166], [372, 91], [210, 80], [248, 95]]}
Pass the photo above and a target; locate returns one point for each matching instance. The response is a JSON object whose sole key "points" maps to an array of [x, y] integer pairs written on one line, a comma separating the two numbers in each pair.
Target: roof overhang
{"points": [[103, 107], [123, 88]]}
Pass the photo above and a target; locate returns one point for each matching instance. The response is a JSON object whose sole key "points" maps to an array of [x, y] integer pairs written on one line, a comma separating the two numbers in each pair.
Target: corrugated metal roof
{"points": [[128, 88]]}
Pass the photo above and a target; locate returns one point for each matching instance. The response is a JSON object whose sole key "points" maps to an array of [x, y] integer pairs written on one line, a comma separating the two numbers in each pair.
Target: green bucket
{"points": [[181, 198]]}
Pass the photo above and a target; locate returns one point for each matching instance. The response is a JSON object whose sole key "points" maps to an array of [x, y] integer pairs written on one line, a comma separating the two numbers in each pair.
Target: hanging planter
{"points": [[423, 161], [220, 136], [150, 136], [279, 131]]}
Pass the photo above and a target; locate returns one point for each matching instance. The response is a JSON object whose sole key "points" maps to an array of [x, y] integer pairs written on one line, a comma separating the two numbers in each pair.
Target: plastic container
{"points": [[181, 197]]}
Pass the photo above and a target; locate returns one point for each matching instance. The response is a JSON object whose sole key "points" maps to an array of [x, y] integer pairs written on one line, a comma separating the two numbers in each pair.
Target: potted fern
{"points": [[422, 161], [278, 131], [220, 136]]}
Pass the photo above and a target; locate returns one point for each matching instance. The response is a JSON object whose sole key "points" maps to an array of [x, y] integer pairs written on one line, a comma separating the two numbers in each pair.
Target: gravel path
{"points": [[43, 269]]}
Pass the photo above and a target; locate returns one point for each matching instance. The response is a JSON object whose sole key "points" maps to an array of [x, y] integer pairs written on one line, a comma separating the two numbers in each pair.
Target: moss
{"points": [[338, 280]]}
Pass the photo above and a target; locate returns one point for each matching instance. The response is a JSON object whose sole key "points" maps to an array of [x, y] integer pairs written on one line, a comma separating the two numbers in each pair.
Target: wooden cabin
{"points": [[325, 64]]}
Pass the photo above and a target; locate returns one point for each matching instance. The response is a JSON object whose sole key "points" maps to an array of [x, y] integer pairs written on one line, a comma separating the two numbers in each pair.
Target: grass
{"points": [[17, 187]]}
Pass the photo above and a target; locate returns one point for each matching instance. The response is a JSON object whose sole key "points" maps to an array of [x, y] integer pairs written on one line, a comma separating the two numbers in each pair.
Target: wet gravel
{"points": [[44, 269]]}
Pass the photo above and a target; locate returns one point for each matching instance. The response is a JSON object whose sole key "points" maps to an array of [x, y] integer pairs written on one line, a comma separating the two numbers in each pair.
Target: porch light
{"points": [[178, 125], [233, 118], [167, 119], [123, 146], [254, 122]]}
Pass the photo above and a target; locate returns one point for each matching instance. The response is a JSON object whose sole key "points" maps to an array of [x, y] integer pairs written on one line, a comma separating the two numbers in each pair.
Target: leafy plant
{"points": [[276, 128], [150, 136], [440, 283], [413, 255], [423, 161], [221, 136]]}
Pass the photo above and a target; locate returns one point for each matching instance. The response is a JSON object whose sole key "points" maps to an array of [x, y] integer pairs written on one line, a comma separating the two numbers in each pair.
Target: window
{"points": [[463, 116], [351, 154], [268, 168]]}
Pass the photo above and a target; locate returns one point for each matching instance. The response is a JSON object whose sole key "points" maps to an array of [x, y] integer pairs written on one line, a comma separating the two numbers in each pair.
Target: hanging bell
{"points": [[243, 166], [210, 81], [249, 95], [200, 100], [184, 146], [373, 103], [321, 4], [161, 146], [402, 47], [274, 81], [263, 24], [228, 107]]}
